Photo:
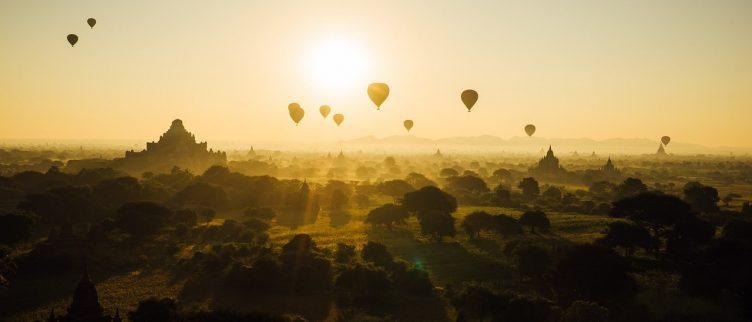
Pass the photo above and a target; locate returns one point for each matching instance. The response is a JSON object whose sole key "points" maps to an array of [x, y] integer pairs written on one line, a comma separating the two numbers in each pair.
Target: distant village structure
{"points": [[661, 150], [176, 148]]}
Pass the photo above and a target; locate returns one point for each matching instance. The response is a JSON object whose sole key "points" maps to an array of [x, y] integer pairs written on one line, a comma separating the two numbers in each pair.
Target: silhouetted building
{"points": [[548, 166], [176, 147], [438, 153], [661, 151], [85, 306]]}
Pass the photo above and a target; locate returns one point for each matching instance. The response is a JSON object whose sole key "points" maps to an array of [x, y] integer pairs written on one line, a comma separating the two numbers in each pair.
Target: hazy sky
{"points": [[228, 69]]}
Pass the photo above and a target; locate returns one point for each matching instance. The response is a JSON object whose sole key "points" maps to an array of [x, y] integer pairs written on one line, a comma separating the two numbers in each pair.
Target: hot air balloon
{"points": [[378, 92], [338, 118], [72, 39], [469, 97], [296, 112], [91, 22], [530, 129], [324, 110], [666, 140], [408, 124]]}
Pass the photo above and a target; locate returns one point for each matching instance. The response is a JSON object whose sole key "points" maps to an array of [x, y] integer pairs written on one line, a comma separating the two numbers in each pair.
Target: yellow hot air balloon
{"points": [[338, 118], [72, 39], [469, 97], [91, 22], [324, 110], [666, 140], [378, 92], [296, 112], [530, 129], [408, 124]]}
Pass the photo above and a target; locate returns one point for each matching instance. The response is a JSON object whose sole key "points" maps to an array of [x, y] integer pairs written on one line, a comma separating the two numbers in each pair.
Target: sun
{"points": [[338, 64]]}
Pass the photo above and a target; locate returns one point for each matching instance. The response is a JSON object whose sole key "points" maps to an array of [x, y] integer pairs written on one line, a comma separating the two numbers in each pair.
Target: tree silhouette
{"points": [[529, 187], [535, 219], [387, 216], [702, 198]]}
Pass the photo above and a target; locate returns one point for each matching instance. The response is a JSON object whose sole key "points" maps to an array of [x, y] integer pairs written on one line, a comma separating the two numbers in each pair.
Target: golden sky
{"points": [[228, 69]]}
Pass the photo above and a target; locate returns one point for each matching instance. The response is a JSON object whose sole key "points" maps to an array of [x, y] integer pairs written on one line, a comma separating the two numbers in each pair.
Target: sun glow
{"points": [[338, 64]]}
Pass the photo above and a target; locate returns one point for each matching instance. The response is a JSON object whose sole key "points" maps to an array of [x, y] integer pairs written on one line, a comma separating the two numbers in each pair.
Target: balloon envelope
{"points": [[378, 92], [296, 112], [91, 22], [408, 124], [530, 129], [469, 97], [666, 140], [324, 110], [72, 39], [338, 118]]}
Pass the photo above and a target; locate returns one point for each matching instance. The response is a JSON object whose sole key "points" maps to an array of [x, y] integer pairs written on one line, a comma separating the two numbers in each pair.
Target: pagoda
{"points": [[176, 148]]}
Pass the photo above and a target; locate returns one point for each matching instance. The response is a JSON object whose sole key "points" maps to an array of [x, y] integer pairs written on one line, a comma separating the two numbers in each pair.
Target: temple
{"points": [[548, 166], [660, 151], [85, 306], [176, 148]]}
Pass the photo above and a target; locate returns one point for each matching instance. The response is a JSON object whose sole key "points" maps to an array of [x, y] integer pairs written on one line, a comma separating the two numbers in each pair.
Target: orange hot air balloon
{"points": [[378, 92], [530, 129], [296, 112], [338, 118], [469, 97], [72, 39], [324, 110], [666, 140], [408, 124], [91, 22]]}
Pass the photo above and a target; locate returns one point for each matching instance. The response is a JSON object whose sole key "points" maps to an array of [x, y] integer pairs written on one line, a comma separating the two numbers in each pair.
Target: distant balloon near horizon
{"points": [[530, 130], [378, 92], [324, 110], [408, 124], [91, 22], [72, 39], [296, 112], [666, 140], [469, 97], [338, 118]]}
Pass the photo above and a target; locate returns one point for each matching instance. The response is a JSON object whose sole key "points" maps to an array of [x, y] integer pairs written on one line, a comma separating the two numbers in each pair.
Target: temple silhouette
{"points": [[85, 306], [548, 166], [176, 148]]}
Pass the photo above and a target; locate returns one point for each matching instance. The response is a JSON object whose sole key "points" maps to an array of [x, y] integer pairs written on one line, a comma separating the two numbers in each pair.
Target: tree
{"points": [[702, 198], [118, 191], [602, 190], [448, 173], [15, 228], [529, 187], [630, 187], [418, 180], [552, 194], [142, 218], [429, 198], [47, 206], [655, 211], [361, 283], [154, 310], [535, 219], [729, 198], [186, 216], [591, 272], [263, 213], [478, 301], [532, 261], [207, 214], [628, 236], [377, 254], [339, 200], [475, 222], [344, 253], [506, 225], [467, 183], [502, 175], [202, 194], [583, 311], [395, 188], [437, 224], [501, 196], [387, 216]]}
